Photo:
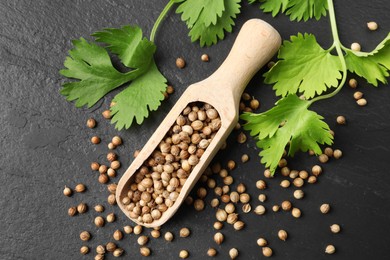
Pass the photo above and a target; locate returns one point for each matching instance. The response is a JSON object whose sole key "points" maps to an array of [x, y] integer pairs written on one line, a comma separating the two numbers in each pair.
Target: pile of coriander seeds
{"points": [[157, 184]]}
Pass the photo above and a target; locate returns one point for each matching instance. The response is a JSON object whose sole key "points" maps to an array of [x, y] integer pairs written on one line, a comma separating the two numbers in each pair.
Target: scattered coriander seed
{"points": [[145, 251], [267, 252], [254, 104], [110, 217], [282, 234], [296, 213], [211, 252], [299, 194], [228, 180], [337, 154], [84, 250], [335, 228], [111, 156], [262, 197], [110, 247], [199, 205], [67, 191], [356, 46], [239, 225], [211, 183], [244, 158], [286, 205], [312, 179], [214, 203], [241, 188], [285, 171], [316, 170], [241, 138], [106, 114], [358, 95], [298, 182], [261, 242], [232, 218], [330, 249], [103, 178], [80, 188], [137, 229], [293, 174], [95, 140], [325, 208], [303, 174], [184, 232], [116, 140], [183, 254], [341, 120], [170, 89], [204, 57], [267, 173], [234, 197], [118, 235], [233, 253], [218, 238], [142, 240], [362, 102], [99, 221], [372, 26], [91, 123], [245, 198], [99, 208], [82, 208], [85, 236], [180, 63], [155, 233], [95, 166], [353, 83], [168, 236], [72, 211], [260, 210], [115, 165], [128, 229], [111, 173], [111, 199], [218, 225], [99, 257], [111, 146], [221, 215], [117, 252], [275, 208], [231, 164], [323, 158], [261, 185], [101, 250], [328, 151], [112, 188], [230, 208], [285, 183], [246, 208], [282, 163]]}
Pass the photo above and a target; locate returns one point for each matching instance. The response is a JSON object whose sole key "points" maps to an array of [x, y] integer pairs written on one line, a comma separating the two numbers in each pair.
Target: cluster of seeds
{"points": [[157, 184]]}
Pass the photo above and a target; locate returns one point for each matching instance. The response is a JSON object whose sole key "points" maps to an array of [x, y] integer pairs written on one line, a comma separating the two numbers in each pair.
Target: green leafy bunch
{"points": [[304, 68]]}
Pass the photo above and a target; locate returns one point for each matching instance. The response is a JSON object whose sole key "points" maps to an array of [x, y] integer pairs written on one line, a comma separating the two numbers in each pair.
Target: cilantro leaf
{"points": [[201, 11], [373, 66], [288, 121], [304, 67], [296, 9], [208, 35], [145, 93], [127, 42], [90, 64]]}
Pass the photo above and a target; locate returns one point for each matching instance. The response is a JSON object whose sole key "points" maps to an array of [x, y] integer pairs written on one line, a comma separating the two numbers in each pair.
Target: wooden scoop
{"points": [[256, 43]]}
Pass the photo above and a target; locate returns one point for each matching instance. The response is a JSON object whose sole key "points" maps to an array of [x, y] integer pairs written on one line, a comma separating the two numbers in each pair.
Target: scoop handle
{"points": [[255, 45]]}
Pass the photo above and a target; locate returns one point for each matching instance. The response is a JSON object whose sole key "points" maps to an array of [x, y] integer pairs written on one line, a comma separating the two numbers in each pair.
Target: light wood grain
{"points": [[256, 43]]}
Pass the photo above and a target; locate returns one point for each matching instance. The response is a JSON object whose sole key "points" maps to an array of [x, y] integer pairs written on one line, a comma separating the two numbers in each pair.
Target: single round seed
{"points": [[99, 257], [184, 232], [91, 123], [244, 158], [356, 46], [111, 173], [211, 252], [218, 238], [244, 198], [337, 154], [316, 170], [267, 252], [103, 178], [262, 197], [221, 215], [95, 140], [267, 174], [328, 151], [330, 249], [168, 236], [246, 208], [85, 236], [155, 233], [241, 138], [296, 213], [285, 171], [101, 250], [362, 102], [298, 182], [128, 229], [110, 217], [275, 208], [353, 83], [106, 114], [145, 251], [117, 252], [233, 253], [312, 179], [180, 63], [170, 90], [72, 211], [239, 225], [241, 188], [118, 235], [325, 208], [293, 174], [285, 183], [142, 240], [111, 199], [303, 175], [199, 205], [372, 26], [204, 57], [84, 250], [116, 140], [231, 164], [260, 210], [230, 208], [115, 165], [214, 203], [358, 95], [299, 194], [183, 254], [282, 234], [82, 208], [262, 242], [99, 221], [218, 225], [111, 146], [335, 228], [261, 185], [286, 205], [111, 156], [341, 120], [95, 166], [254, 104], [323, 158], [67, 191]]}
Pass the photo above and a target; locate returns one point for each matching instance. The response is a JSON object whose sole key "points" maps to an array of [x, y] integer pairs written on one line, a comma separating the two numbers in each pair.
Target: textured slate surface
{"points": [[45, 145]]}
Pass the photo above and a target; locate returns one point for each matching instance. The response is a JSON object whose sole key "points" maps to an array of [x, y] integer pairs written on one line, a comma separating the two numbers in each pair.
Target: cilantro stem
{"points": [[336, 44], [160, 18]]}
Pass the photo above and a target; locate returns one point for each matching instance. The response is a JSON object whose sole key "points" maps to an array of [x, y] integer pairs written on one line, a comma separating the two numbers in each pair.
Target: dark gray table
{"points": [[45, 144]]}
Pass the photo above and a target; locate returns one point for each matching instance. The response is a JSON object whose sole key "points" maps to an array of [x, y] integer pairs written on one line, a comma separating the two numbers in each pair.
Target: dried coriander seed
{"points": [[239, 225], [233, 253], [312, 179], [95, 140], [361, 102], [144, 251], [155, 233], [128, 229], [298, 182], [117, 252], [168, 236], [260, 210], [204, 57], [316, 170], [218, 238], [106, 114], [211, 252], [218, 225], [330, 249], [246, 208], [184, 232], [296, 213], [67, 191], [267, 252], [95, 166], [82, 208], [84, 250], [101, 250], [99, 257], [137, 229], [337, 154], [372, 26], [221, 215], [262, 197], [111, 199], [244, 158], [99, 208], [241, 138], [286, 205], [341, 120], [118, 235], [110, 247], [183, 254], [325, 208], [180, 63], [99, 221], [241, 188], [91, 123], [335, 228], [72, 211], [85, 236], [299, 194], [199, 205], [285, 183], [116, 140], [142, 240], [275, 208], [80, 188], [262, 242], [261, 185], [214, 203], [110, 217], [282, 234]]}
